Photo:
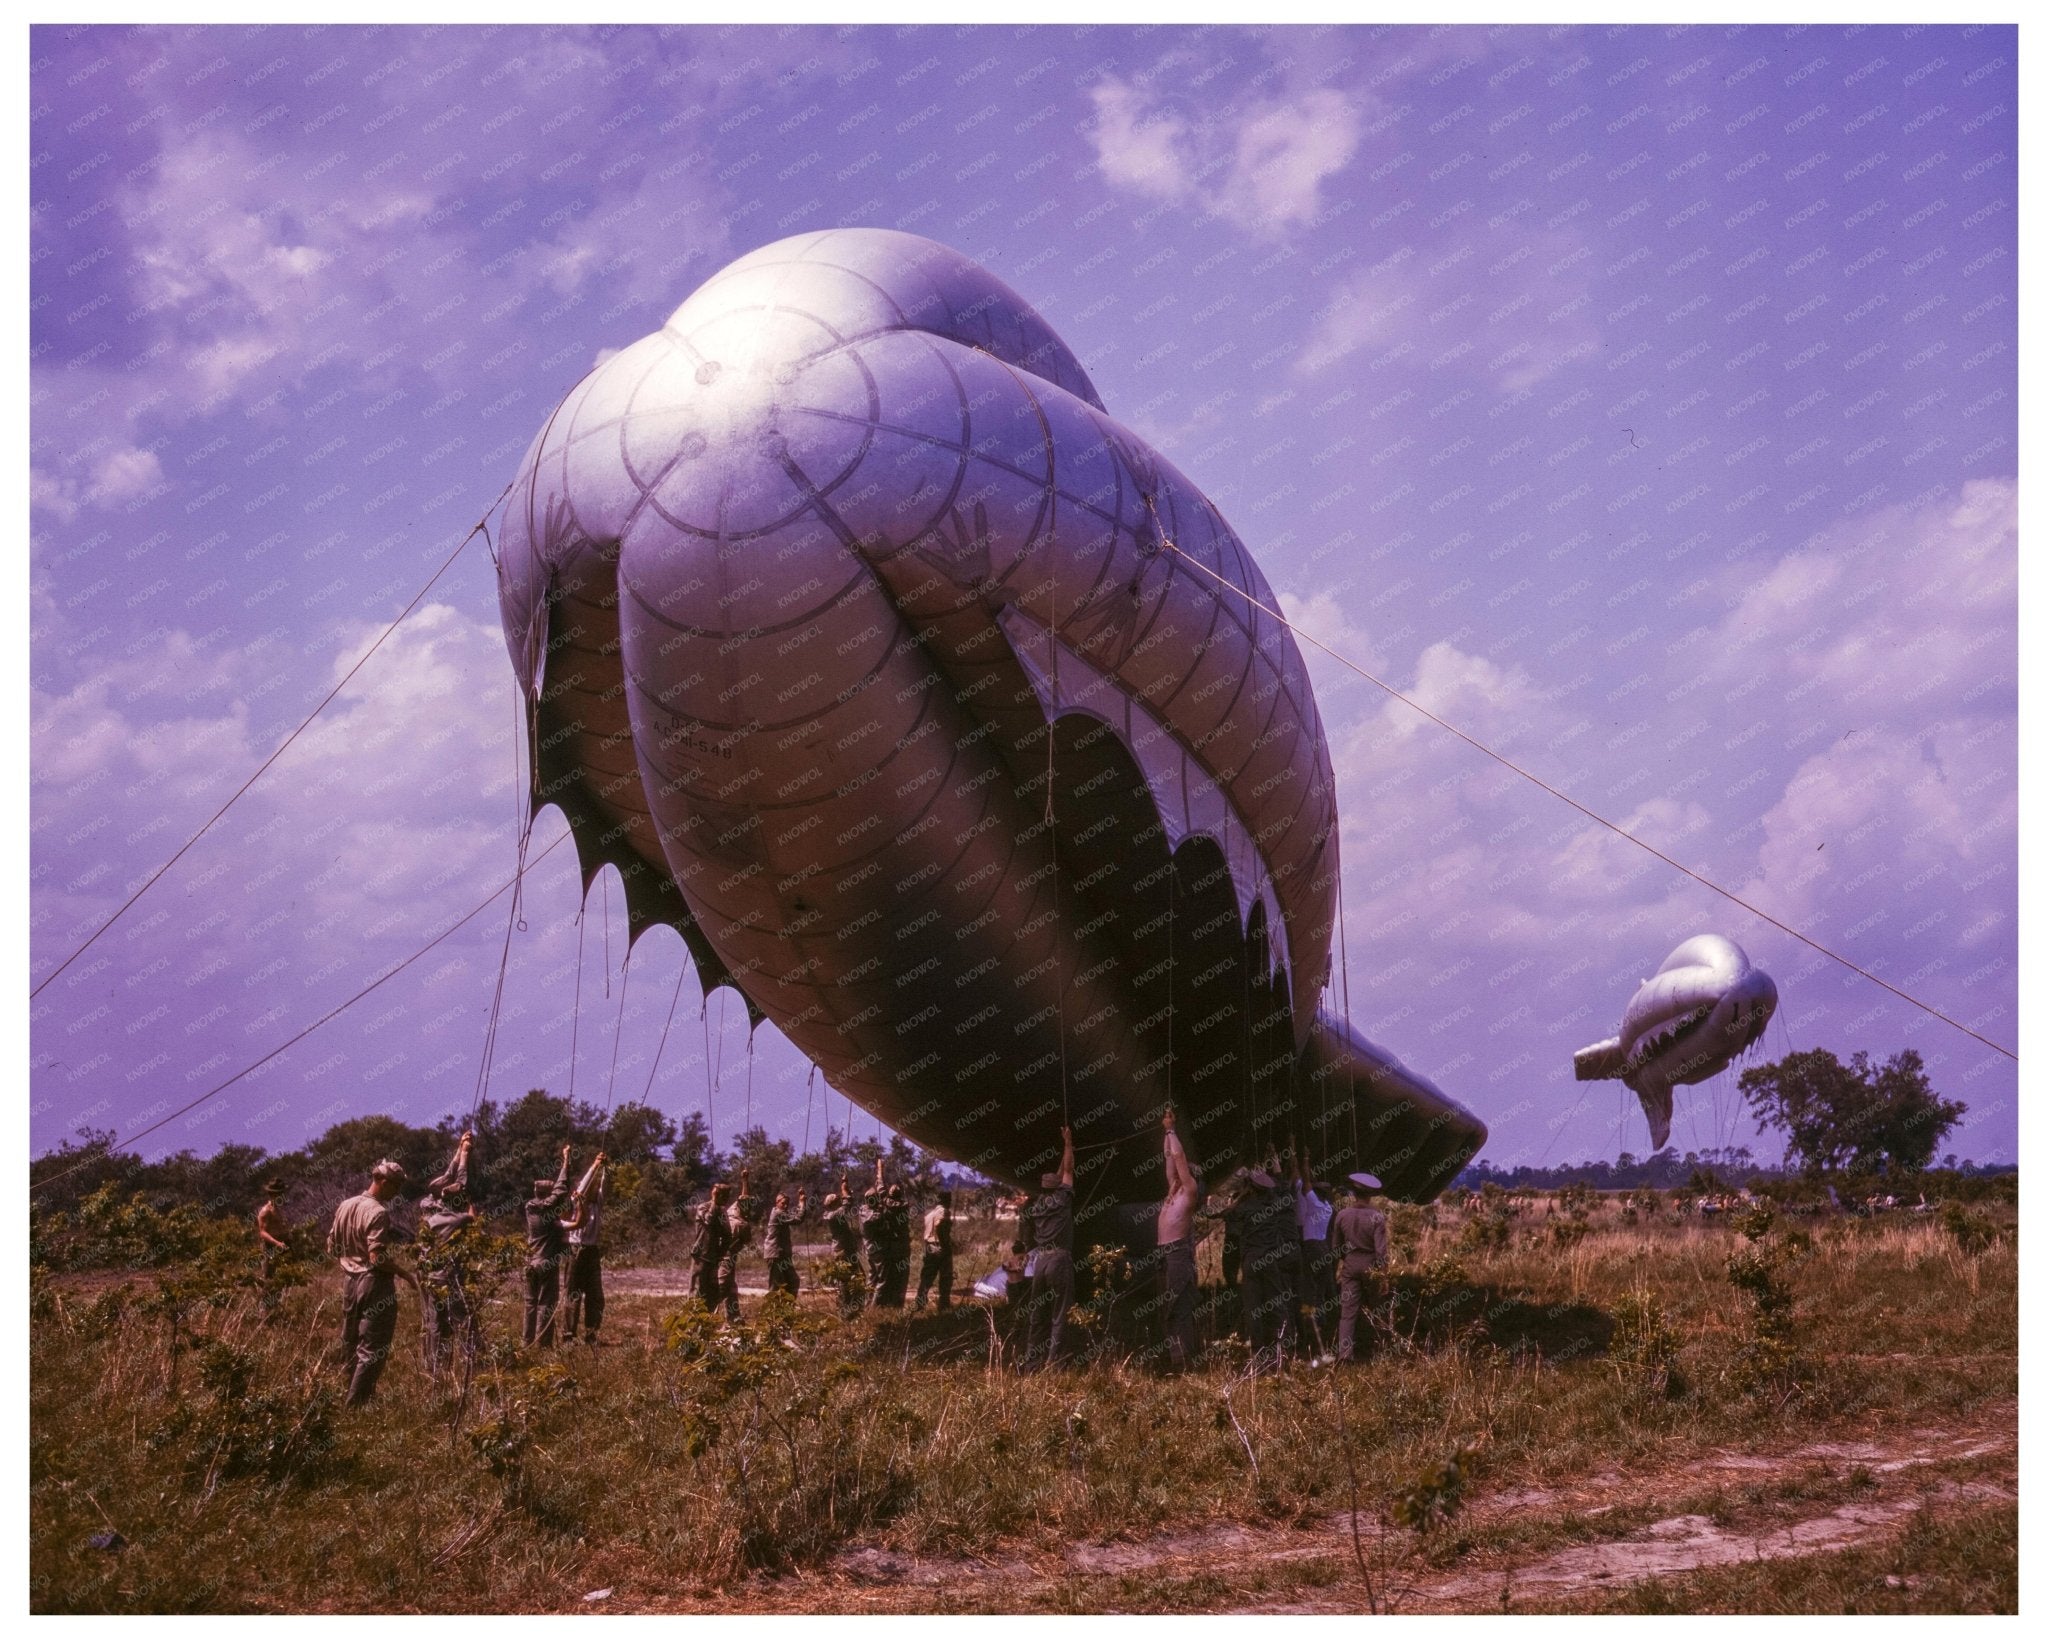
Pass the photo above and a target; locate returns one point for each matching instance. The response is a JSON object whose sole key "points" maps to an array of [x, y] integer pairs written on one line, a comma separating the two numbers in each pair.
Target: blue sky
{"points": [[1641, 400]]}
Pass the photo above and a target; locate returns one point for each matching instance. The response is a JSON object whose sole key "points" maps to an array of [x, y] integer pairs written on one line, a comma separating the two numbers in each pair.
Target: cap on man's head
{"points": [[832, 1200], [1260, 1178], [1365, 1180], [1050, 1180], [543, 1186], [387, 1169], [274, 1187]]}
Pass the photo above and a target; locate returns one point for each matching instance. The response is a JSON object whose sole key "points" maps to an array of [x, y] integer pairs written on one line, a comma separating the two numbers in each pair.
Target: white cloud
{"points": [[1260, 165], [1283, 157], [124, 475], [1138, 148]]}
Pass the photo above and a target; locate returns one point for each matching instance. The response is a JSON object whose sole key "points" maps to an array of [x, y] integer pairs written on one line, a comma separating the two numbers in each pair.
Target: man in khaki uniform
{"points": [[362, 1240], [1358, 1241]]}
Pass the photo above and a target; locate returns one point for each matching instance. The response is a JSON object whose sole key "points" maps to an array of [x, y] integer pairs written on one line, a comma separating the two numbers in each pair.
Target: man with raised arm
{"points": [[843, 1272], [1177, 1249], [362, 1240], [739, 1220], [446, 1215], [583, 1297], [874, 1234], [545, 1244], [779, 1247], [713, 1231], [1052, 1276]]}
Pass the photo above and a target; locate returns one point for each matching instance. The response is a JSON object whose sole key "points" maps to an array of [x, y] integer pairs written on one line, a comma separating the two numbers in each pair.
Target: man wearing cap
{"points": [[779, 1247], [1313, 1278], [714, 1229], [844, 1270], [545, 1244], [937, 1265], [874, 1234], [1052, 1271], [1177, 1249], [896, 1245], [1358, 1240], [584, 1298], [739, 1225], [271, 1228], [361, 1239], [1271, 1239], [446, 1214]]}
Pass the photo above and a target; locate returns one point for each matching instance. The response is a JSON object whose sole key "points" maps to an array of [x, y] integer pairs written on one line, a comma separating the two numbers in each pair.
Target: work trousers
{"points": [[369, 1317], [448, 1319], [1052, 1295], [782, 1275], [1268, 1291], [543, 1291], [1177, 1278], [729, 1283], [1319, 1293], [705, 1282], [937, 1266], [583, 1297], [1357, 1289]]}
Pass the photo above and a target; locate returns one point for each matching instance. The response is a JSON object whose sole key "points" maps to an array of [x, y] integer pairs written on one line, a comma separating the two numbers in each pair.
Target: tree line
{"points": [[659, 1167]]}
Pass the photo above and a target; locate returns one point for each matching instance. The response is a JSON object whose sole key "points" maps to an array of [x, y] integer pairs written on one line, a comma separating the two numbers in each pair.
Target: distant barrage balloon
{"points": [[1689, 1020], [882, 663]]}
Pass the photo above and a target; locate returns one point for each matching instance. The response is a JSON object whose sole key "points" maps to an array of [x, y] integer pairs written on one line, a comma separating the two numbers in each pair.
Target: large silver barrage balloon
{"points": [[1689, 1020], [882, 663]]}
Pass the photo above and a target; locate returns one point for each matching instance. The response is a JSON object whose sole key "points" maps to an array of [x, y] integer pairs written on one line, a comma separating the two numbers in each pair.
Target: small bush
{"points": [[1971, 1231]]}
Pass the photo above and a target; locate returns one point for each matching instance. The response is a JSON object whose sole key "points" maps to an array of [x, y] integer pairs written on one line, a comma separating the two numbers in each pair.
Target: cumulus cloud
{"points": [[1838, 748], [1504, 304], [1260, 165]]}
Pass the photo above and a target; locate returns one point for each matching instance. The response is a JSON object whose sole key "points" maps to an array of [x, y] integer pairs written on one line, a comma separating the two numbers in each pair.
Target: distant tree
{"points": [[344, 1154], [1851, 1117], [767, 1160], [59, 1180]]}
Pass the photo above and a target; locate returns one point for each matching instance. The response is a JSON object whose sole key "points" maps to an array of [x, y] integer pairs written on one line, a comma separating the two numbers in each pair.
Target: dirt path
{"points": [[1739, 1507]]}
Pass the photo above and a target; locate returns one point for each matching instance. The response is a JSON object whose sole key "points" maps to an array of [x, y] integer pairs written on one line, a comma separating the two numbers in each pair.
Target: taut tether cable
{"points": [[294, 1040], [1598, 819], [326, 700]]}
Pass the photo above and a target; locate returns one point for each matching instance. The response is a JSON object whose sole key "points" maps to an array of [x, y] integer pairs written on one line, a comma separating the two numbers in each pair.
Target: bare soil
{"points": [[1769, 1501]]}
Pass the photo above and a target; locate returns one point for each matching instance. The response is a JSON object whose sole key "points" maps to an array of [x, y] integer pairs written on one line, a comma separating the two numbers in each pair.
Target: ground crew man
{"points": [[446, 1311], [1052, 1274], [1177, 1250], [874, 1234], [739, 1221], [584, 1298], [361, 1240], [779, 1247], [938, 1253], [714, 1229], [545, 1244], [1272, 1250], [1313, 1279], [1358, 1240], [844, 1270], [271, 1245], [896, 1245]]}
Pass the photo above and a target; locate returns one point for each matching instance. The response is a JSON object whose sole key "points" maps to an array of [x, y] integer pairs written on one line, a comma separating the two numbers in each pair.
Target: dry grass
{"points": [[682, 1466]]}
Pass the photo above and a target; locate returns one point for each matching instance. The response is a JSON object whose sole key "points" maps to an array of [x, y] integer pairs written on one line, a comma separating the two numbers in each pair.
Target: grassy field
{"points": [[1550, 1392]]}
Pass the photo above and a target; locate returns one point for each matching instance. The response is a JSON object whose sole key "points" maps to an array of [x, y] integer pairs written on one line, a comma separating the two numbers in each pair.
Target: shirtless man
{"points": [[1177, 1249], [270, 1229]]}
